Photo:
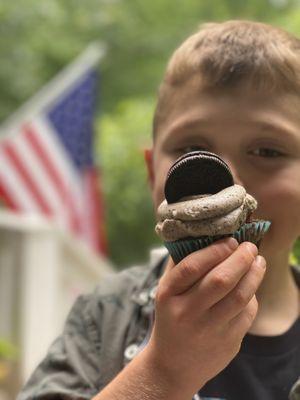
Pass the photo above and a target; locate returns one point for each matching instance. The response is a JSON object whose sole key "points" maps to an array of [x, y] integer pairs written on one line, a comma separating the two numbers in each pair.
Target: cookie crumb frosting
{"points": [[205, 215]]}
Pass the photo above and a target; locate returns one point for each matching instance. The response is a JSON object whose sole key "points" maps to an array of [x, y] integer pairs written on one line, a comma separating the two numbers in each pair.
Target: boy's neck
{"points": [[278, 299]]}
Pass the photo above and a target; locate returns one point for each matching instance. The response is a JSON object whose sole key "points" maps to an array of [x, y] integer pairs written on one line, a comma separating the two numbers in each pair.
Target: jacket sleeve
{"points": [[295, 392], [71, 368]]}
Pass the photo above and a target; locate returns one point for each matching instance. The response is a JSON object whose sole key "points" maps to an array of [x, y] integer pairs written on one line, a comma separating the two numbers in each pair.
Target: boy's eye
{"points": [[188, 149], [266, 152]]}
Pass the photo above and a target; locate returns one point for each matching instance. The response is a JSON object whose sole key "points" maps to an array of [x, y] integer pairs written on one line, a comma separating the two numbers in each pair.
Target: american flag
{"points": [[46, 154]]}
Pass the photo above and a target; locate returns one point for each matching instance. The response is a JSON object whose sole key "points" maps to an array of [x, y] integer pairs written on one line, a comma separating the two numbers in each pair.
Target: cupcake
{"points": [[202, 204]]}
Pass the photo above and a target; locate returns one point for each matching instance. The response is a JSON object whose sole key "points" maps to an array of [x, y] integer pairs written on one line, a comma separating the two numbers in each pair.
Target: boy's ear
{"points": [[148, 156]]}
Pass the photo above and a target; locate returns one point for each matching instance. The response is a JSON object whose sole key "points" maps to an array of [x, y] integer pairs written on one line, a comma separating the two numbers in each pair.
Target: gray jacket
{"points": [[103, 332]]}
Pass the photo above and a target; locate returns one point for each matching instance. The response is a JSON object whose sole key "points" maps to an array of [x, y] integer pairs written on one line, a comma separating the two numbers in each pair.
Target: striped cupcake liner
{"points": [[250, 232]]}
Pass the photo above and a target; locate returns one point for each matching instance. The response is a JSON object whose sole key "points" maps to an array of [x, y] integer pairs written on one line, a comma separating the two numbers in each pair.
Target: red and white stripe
{"points": [[37, 176], [94, 232]]}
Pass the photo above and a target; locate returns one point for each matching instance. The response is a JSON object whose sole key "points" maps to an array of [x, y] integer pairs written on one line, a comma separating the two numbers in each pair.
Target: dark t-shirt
{"points": [[265, 369]]}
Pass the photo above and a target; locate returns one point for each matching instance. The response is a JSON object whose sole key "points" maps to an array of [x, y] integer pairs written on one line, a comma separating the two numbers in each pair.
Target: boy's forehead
{"points": [[190, 105]]}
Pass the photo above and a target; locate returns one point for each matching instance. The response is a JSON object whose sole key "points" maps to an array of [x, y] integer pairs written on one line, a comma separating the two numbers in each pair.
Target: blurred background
{"points": [[38, 38]]}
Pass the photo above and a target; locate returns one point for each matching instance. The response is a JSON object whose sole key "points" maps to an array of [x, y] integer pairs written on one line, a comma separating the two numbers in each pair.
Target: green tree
{"points": [[129, 209]]}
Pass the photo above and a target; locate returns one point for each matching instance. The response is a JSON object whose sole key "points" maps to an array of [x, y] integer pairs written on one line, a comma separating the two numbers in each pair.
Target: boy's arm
{"points": [[143, 379], [204, 307]]}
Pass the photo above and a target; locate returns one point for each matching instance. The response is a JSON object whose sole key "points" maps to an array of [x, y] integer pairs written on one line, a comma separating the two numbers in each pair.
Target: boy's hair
{"points": [[224, 55]]}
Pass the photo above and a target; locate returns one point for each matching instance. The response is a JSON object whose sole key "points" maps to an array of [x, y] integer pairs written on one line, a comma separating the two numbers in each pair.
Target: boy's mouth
{"points": [[203, 201], [197, 173]]}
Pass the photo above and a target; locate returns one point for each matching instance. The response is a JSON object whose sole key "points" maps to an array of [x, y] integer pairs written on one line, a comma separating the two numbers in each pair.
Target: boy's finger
{"points": [[170, 264], [234, 303], [187, 272], [243, 321], [221, 280]]}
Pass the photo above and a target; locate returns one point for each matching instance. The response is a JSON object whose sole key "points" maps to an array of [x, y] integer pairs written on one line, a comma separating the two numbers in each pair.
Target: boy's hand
{"points": [[204, 306]]}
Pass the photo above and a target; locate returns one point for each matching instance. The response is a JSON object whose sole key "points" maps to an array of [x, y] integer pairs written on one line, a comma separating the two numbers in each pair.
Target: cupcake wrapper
{"points": [[250, 232]]}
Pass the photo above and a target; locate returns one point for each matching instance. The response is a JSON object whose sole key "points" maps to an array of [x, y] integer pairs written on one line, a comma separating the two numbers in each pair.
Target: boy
{"points": [[232, 89]]}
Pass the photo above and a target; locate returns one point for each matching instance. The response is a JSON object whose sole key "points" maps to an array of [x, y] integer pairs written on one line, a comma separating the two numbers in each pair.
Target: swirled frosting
{"points": [[206, 215]]}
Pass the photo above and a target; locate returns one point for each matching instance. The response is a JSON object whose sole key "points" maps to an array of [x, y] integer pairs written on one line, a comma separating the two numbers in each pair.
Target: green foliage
{"points": [[129, 210], [296, 253], [37, 38], [7, 350]]}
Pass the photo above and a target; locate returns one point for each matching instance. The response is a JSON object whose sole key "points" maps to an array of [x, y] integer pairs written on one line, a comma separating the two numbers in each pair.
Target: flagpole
{"points": [[44, 98]]}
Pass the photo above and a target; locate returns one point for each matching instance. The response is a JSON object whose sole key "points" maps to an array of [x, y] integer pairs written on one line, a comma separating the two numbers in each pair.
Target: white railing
{"points": [[42, 271]]}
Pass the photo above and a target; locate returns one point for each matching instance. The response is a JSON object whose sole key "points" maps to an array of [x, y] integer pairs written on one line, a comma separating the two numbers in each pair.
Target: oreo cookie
{"points": [[196, 173]]}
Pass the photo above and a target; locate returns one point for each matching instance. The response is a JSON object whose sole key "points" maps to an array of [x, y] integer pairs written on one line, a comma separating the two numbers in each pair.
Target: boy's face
{"points": [[257, 134]]}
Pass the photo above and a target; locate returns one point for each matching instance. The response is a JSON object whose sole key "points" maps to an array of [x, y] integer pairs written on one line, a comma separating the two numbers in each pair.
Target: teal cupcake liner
{"points": [[250, 232]]}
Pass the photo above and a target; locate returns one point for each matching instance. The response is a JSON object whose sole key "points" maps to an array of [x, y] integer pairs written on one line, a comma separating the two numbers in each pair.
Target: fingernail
{"points": [[232, 243], [252, 248], [260, 262]]}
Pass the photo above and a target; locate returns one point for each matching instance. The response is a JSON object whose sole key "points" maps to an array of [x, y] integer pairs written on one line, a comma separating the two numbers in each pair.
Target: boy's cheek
{"points": [[161, 166], [280, 203]]}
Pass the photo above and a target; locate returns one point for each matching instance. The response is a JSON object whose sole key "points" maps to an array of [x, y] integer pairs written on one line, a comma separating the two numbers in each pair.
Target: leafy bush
{"points": [[7, 350], [130, 222]]}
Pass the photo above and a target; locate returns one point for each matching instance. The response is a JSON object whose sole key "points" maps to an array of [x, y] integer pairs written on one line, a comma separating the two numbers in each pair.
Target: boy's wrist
{"points": [[164, 375]]}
